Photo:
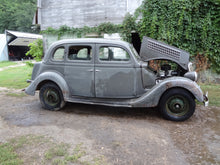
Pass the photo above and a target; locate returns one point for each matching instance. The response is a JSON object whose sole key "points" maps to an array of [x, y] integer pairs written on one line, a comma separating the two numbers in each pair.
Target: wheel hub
{"points": [[177, 105], [51, 97]]}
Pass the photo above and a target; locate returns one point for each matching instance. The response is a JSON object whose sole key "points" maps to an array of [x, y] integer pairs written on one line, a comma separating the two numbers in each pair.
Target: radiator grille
{"points": [[172, 53]]}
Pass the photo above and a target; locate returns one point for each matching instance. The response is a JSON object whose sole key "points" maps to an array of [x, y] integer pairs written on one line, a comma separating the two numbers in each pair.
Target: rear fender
{"points": [[152, 97], [49, 76]]}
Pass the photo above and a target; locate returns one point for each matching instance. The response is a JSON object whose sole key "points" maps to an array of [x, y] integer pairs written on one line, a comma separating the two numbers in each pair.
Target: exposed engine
{"points": [[166, 71]]}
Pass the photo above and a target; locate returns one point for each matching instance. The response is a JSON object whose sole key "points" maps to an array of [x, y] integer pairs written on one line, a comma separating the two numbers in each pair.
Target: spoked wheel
{"points": [[177, 105], [51, 97]]}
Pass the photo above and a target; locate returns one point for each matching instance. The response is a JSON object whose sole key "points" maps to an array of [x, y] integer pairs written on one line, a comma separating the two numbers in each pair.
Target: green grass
{"points": [[15, 77], [8, 156], [7, 63], [213, 93]]}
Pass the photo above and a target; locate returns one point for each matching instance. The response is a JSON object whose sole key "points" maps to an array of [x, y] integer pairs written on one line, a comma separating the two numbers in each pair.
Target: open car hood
{"points": [[154, 50]]}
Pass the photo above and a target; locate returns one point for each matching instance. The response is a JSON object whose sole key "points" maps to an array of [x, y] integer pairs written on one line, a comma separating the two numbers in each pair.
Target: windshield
{"points": [[135, 52]]}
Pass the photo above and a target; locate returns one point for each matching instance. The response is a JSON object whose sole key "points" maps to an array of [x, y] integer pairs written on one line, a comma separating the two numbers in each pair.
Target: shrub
{"points": [[36, 49]]}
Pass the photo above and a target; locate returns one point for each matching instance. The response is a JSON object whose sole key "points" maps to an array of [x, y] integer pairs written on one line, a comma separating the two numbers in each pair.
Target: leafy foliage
{"points": [[79, 32], [17, 15], [125, 29], [193, 25], [36, 49], [128, 26]]}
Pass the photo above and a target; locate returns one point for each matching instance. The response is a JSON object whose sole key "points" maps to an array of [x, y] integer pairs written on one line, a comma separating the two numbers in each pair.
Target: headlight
{"points": [[191, 75]]}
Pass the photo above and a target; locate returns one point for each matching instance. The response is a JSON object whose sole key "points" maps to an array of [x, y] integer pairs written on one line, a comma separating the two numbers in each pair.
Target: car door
{"points": [[79, 69], [114, 72]]}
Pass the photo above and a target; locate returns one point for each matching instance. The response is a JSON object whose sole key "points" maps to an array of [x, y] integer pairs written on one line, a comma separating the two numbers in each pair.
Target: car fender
{"points": [[49, 76], [152, 97]]}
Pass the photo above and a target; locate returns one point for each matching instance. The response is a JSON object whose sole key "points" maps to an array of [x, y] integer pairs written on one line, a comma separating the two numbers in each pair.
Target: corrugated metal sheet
{"points": [[21, 42], [21, 39], [3, 48], [24, 35]]}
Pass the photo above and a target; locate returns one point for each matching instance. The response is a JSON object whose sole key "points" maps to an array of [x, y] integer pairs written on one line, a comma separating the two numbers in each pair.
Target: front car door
{"points": [[79, 69], [114, 72]]}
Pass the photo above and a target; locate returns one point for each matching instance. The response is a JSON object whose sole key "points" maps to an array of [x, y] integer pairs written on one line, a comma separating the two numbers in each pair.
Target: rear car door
{"points": [[79, 69]]}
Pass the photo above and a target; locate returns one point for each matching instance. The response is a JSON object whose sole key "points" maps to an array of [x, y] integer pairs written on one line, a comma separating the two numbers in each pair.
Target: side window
{"points": [[59, 54], [80, 53], [113, 54]]}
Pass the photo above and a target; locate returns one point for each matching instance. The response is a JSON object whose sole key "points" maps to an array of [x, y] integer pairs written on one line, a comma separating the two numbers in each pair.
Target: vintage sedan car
{"points": [[111, 73]]}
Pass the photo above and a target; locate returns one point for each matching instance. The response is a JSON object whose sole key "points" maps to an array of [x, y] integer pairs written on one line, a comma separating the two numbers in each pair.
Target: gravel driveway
{"points": [[122, 136]]}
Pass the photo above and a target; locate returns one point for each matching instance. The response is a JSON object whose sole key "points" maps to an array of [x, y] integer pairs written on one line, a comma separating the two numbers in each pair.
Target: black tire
{"points": [[177, 105], [51, 97]]}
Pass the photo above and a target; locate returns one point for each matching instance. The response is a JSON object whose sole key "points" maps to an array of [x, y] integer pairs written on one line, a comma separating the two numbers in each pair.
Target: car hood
{"points": [[154, 50]]}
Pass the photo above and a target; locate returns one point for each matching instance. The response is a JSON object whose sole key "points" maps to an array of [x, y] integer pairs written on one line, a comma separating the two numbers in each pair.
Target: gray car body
{"points": [[120, 83]]}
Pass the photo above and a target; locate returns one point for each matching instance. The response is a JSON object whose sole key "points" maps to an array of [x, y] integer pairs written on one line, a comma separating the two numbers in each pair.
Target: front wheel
{"points": [[51, 97], [177, 105]]}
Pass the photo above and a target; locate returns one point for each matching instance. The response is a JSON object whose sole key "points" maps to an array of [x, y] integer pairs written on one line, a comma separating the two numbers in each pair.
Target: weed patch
{"points": [[56, 151], [8, 156], [32, 149]]}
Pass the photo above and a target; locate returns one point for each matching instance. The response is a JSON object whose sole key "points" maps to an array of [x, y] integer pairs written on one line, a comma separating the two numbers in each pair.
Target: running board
{"points": [[101, 101]]}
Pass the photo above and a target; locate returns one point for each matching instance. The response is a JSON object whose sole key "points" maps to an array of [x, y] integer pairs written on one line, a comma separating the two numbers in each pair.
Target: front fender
{"points": [[152, 97], [49, 76]]}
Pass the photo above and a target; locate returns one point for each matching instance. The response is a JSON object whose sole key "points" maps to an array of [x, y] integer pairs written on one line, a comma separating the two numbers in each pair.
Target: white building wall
{"points": [[3, 48], [79, 13]]}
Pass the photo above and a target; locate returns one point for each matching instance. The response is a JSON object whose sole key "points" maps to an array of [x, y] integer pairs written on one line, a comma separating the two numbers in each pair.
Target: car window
{"points": [[59, 54], [113, 54], [80, 53]]}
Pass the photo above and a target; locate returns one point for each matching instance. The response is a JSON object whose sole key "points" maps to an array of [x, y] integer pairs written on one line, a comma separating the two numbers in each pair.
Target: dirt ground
{"points": [[122, 136]]}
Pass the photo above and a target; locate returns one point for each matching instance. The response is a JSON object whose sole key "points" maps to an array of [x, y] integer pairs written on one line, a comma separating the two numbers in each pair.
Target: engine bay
{"points": [[164, 69]]}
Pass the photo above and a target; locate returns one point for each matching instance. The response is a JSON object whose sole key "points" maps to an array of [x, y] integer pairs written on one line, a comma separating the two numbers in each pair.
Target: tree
{"points": [[17, 15]]}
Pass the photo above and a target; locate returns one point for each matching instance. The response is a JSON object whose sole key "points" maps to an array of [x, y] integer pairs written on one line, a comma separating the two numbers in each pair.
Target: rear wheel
{"points": [[177, 105], [51, 97]]}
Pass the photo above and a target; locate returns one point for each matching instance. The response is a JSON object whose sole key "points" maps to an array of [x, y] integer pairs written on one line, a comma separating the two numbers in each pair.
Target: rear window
{"points": [[59, 54]]}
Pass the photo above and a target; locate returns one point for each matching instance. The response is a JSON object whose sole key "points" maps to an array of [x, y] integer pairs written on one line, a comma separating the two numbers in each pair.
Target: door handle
{"points": [[97, 70], [90, 70]]}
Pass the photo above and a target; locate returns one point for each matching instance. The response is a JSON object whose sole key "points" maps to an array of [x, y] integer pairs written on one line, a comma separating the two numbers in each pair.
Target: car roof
{"points": [[90, 41]]}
